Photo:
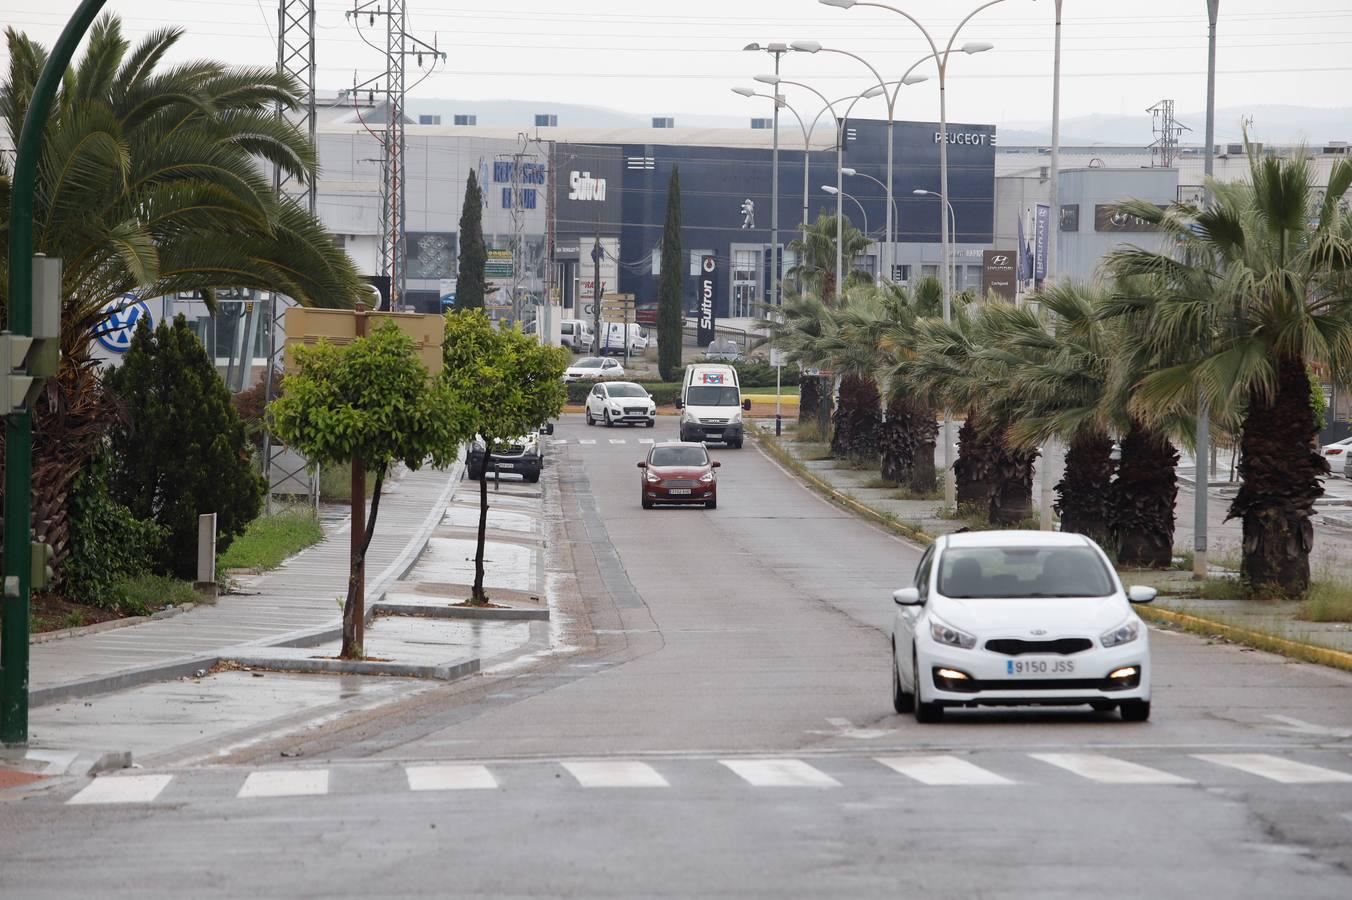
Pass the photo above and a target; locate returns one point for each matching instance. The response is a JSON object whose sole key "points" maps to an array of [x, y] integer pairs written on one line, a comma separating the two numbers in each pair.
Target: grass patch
{"points": [[145, 594], [270, 539], [1328, 601], [880, 483], [857, 465], [906, 493], [808, 432], [335, 484], [1183, 560], [821, 454]]}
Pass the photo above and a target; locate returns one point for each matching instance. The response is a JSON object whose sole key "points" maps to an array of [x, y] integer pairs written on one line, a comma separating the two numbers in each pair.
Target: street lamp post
{"points": [[892, 204], [1202, 469], [941, 59], [777, 50], [952, 220], [862, 212], [1051, 446]]}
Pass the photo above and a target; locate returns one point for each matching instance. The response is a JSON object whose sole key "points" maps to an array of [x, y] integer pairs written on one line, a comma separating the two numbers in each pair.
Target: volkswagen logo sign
{"points": [[114, 331]]}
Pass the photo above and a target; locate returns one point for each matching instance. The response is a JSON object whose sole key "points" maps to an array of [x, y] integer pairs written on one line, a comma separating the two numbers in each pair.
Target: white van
{"points": [[614, 338], [576, 334], [711, 405]]}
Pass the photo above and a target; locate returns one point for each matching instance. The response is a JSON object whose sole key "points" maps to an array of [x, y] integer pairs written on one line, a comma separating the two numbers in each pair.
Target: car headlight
{"points": [[944, 633], [617, 410], [707, 477], [736, 418], [1123, 634], [653, 479]]}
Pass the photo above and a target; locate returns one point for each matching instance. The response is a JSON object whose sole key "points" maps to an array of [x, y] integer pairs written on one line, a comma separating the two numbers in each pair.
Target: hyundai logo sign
{"points": [[114, 331]]}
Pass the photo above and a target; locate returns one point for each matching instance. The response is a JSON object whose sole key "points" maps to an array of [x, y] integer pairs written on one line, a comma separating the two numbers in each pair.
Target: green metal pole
{"points": [[19, 428]]}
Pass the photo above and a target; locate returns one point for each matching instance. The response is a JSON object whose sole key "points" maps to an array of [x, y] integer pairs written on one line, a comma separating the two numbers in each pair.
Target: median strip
{"points": [[1249, 637]]}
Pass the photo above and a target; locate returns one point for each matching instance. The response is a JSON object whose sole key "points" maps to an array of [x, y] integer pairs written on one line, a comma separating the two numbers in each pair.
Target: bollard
{"points": [[206, 554]]}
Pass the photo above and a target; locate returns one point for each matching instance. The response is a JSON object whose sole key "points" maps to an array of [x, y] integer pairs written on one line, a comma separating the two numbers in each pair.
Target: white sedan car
{"points": [[593, 368], [1336, 454], [1014, 618], [621, 403]]}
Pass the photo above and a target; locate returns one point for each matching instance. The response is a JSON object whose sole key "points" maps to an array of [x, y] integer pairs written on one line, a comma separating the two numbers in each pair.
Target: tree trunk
{"points": [[857, 420], [906, 440], [354, 610], [1143, 499], [478, 597], [995, 480], [1084, 493], [809, 398], [969, 470], [1281, 472]]}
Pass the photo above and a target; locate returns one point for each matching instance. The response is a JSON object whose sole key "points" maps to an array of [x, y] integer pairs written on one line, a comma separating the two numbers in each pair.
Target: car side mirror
{"points": [[643, 465], [715, 464], [746, 405], [680, 404], [1139, 593], [906, 597], [549, 428]]}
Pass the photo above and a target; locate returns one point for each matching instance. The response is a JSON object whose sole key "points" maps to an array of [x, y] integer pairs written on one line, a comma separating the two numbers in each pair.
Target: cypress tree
{"points": [[472, 283], [180, 451], [671, 291]]}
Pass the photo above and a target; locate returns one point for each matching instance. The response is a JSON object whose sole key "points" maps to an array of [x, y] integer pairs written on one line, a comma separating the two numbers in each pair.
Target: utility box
{"points": [[306, 327]]}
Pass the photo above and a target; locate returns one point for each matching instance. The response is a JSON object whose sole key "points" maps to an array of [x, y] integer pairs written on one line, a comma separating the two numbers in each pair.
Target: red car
{"points": [[679, 472]]}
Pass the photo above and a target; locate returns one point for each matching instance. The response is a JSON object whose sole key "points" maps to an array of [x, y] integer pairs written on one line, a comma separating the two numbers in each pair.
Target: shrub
{"points": [[181, 450], [271, 539], [145, 594], [108, 543], [752, 372]]}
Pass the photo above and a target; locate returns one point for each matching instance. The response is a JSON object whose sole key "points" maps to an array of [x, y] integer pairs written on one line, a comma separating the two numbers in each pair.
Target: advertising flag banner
{"points": [[1042, 228], [708, 297]]}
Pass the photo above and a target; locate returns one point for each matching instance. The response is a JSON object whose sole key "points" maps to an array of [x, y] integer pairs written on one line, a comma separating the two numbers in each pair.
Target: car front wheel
{"points": [[925, 713], [609, 423], [902, 702], [1135, 710], [590, 420]]}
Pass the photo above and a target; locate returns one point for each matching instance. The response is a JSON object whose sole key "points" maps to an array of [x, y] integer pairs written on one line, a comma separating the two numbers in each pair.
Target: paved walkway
{"points": [[291, 602]]}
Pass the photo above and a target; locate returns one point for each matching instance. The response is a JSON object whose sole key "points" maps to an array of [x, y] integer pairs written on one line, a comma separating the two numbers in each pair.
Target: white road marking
{"points": [[941, 770], [645, 440], [285, 783], [587, 441], [779, 773], [1108, 770], [1275, 768], [1300, 726], [122, 789], [615, 773], [449, 778], [558, 442], [617, 440], [845, 729]]}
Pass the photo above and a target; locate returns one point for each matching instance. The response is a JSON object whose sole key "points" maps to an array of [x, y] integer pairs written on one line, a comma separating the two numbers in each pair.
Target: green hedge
{"points": [[752, 373]]}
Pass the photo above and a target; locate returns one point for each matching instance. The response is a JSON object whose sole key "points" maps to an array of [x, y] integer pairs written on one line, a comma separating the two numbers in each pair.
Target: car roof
{"points": [[679, 444], [1015, 539], [611, 384]]}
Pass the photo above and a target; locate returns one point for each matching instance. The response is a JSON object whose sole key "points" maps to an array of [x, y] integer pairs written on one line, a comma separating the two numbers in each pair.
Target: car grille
{"points": [[676, 483], [509, 450], [1016, 647], [634, 410], [714, 421]]}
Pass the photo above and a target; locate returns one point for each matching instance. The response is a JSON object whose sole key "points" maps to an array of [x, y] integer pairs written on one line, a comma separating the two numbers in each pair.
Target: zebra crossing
{"points": [[592, 442], [1004, 771]]}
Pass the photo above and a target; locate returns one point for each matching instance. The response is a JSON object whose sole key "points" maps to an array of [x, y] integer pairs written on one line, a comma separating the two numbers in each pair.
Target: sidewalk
{"points": [[295, 604]]}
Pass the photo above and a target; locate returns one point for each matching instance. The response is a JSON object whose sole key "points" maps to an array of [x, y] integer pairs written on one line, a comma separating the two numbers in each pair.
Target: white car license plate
{"points": [[1040, 668], [679, 491], [506, 465]]}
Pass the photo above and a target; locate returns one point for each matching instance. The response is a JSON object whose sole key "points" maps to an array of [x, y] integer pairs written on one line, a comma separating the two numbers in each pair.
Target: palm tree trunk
{"points": [[906, 440], [970, 469], [809, 398], [1084, 493], [1143, 499], [1281, 475], [995, 479], [857, 420]]}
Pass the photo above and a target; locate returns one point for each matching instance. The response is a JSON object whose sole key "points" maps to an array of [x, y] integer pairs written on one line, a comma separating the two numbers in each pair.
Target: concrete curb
{"points": [[103, 684], [462, 612], [771, 447], [43, 637], [440, 672], [1249, 637]]}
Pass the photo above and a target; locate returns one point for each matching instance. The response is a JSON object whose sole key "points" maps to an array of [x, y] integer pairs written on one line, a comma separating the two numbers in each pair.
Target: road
{"points": [[718, 723]]}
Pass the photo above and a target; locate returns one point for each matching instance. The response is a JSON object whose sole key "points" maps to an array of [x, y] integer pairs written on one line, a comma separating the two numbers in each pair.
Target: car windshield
{"points": [[627, 390], [1020, 572], [590, 362], [707, 395], [663, 457]]}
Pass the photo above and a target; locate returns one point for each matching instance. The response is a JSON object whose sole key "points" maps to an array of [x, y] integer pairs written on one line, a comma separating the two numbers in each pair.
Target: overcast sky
{"points": [[669, 58]]}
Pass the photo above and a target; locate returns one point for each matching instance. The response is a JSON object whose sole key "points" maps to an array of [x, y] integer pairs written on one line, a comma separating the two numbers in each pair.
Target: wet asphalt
{"points": [[715, 721]]}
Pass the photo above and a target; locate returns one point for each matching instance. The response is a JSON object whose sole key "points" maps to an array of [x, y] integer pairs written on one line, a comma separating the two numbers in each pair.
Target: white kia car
{"points": [[1014, 618], [1336, 454], [620, 403]]}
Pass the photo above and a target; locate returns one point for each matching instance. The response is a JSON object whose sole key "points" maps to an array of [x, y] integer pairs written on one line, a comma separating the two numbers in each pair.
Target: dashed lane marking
{"points": [[1275, 768], [615, 773], [285, 783], [779, 773], [122, 789], [1108, 770], [941, 770], [449, 778]]}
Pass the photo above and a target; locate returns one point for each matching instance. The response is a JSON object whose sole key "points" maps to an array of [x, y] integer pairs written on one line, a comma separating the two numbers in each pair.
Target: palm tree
{"points": [[815, 251], [1250, 294], [909, 434], [154, 181]]}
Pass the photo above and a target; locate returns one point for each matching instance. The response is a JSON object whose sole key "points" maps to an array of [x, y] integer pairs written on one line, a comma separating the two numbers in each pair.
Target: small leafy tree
{"points": [[671, 291], [509, 385], [181, 450], [472, 282], [370, 402]]}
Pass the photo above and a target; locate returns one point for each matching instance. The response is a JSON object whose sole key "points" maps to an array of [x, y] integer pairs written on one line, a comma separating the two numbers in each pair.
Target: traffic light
{"points": [[41, 576]]}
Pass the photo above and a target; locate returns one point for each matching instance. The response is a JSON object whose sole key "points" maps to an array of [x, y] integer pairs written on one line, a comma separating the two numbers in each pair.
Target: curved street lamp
{"points": [[941, 59], [835, 192], [892, 202]]}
